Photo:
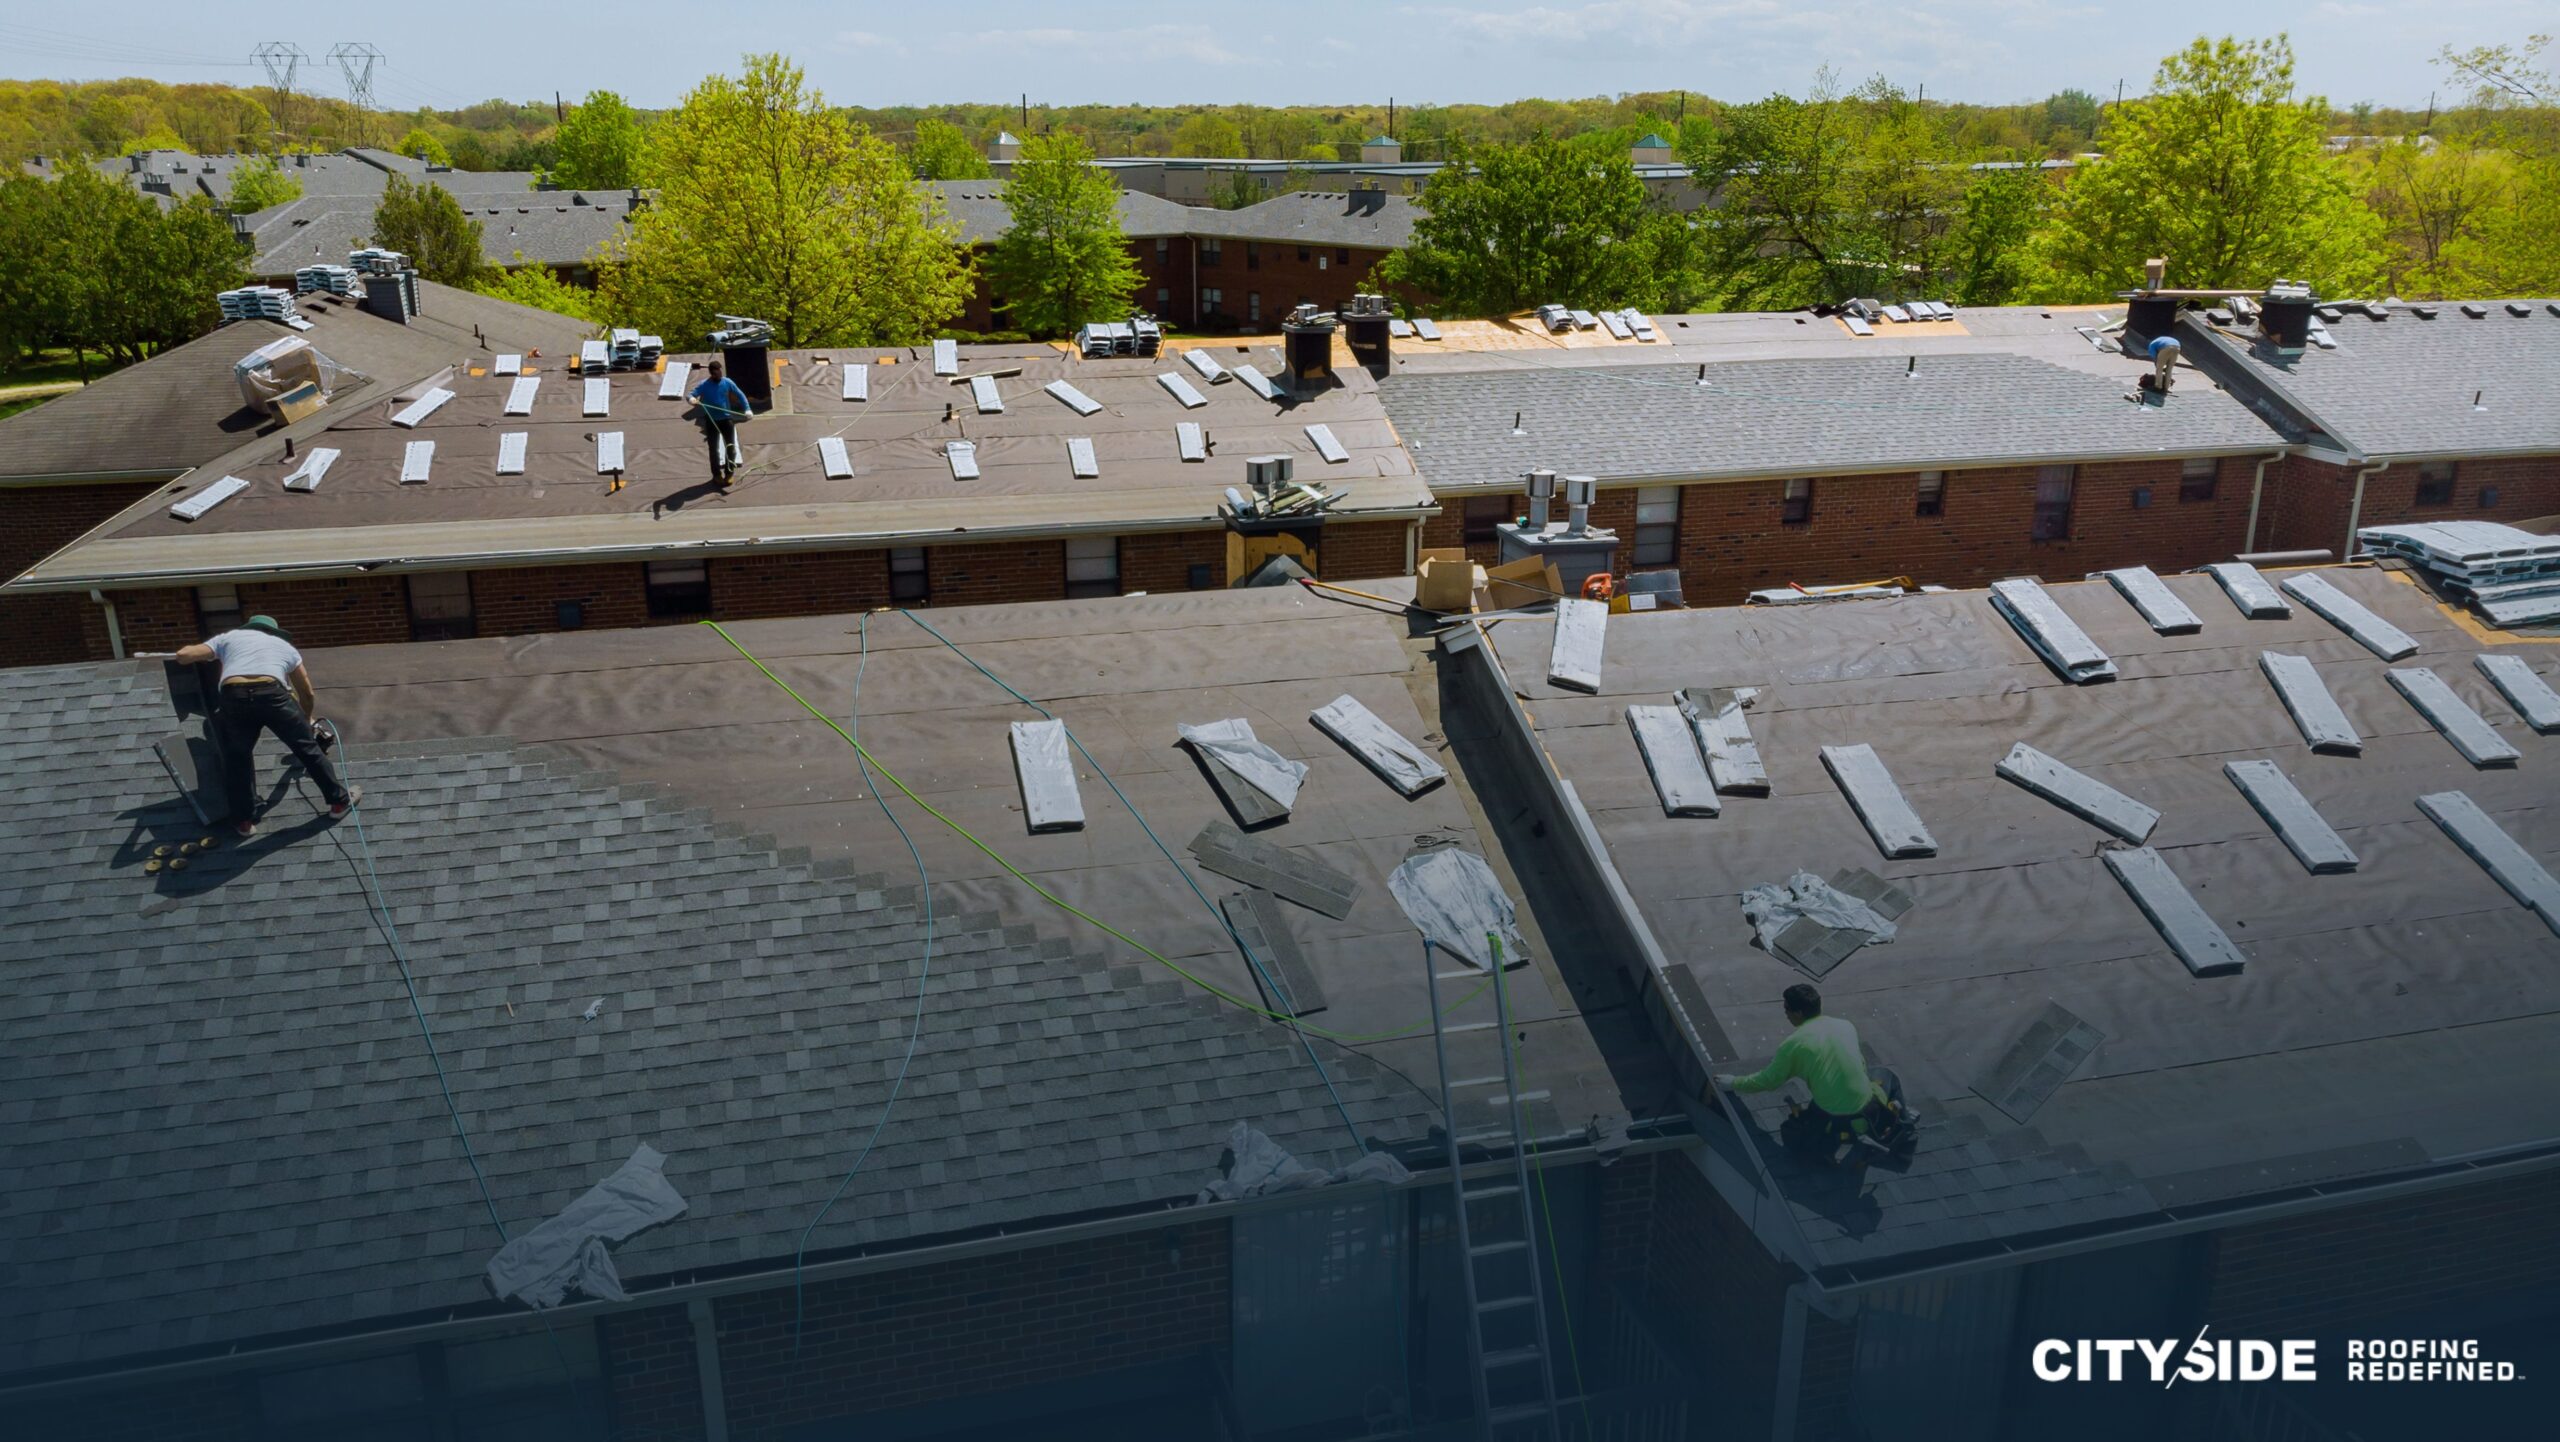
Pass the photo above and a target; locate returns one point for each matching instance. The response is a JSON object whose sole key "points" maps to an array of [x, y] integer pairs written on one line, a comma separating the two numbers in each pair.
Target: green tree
{"points": [[88, 262], [599, 144], [1064, 261], [1511, 226], [419, 145], [942, 152], [2221, 170], [260, 183], [2433, 199], [1209, 135], [38, 292], [423, 221], [537, 286], [770, 203]]}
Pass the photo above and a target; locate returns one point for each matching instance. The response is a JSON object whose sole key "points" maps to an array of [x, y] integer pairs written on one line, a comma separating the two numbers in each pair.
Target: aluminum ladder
{"points": [[1506, 1318]]}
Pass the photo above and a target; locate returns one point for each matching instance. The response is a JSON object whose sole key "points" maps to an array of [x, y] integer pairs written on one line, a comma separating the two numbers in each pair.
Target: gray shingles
{"points": [[239, 1132]]}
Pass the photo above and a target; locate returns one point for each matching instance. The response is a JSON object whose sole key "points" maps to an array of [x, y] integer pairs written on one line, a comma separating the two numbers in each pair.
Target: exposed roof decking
{"points": [[2363, 988]]}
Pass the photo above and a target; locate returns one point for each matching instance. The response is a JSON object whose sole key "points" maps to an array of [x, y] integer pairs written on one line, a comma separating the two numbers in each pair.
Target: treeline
{"points": [[89, 263]]}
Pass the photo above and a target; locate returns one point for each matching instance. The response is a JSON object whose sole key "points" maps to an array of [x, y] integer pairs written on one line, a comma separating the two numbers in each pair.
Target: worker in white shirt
{"points": [[265, 688]]}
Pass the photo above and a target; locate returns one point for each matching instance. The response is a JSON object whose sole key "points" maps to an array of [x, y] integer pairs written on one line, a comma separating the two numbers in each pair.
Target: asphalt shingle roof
{"points": [[1777, 417], [979, 208], [1371, 220], [223, 1121], [2405, 386]]}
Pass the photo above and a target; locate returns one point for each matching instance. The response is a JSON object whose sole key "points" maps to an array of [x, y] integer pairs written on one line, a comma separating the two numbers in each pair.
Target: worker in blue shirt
{"points": [[723, 405]]}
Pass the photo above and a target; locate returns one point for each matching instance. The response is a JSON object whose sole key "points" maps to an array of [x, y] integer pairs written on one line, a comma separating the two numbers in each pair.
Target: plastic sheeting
{"points": [[1774, 907], [539, 1267], [1455, 900], [1048, 776], [1232, 741], [1257, 1166]]}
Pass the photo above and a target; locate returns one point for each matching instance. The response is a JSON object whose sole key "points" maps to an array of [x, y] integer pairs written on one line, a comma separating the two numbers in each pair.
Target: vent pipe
{"points": [[1542, 494], [1578, 491]]}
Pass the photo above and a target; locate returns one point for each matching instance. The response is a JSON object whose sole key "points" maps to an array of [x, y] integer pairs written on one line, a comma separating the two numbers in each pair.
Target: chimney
{"points": [[2284, 316], [1365, 330], [1306, 344], [302, 160]]}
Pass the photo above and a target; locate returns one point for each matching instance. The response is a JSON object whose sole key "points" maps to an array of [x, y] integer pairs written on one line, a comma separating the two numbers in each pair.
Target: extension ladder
{"points": [[1515, 1392]]}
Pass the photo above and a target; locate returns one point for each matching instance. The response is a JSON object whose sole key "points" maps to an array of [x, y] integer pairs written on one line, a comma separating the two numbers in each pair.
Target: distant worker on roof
{"points": [[1822, 1051], [723, 405], [259, 664], [2164, 352]]}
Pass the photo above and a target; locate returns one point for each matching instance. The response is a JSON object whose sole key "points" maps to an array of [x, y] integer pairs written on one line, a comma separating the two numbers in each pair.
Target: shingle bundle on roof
{"points": [[2511, 576]]}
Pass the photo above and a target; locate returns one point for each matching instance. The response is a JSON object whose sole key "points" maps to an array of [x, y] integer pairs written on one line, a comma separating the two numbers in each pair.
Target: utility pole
{"points": [[2119, 92], [1391, 117], [1026, 110], [559, 109]]}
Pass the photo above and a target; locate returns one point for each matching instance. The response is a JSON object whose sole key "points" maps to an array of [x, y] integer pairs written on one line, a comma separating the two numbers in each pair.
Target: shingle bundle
{"points": [[2512, 577], [256, 302]]}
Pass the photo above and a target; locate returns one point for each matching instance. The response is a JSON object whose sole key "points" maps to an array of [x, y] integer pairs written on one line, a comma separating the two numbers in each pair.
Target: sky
{"points": [[1297, 52]]}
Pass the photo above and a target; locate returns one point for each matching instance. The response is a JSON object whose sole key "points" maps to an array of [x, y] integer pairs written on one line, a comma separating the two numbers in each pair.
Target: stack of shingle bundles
{"points": [[374, 260], [2051, 634], [335, 279], [1146, 335], [2512, 577], [624, 348], [257, 302]]}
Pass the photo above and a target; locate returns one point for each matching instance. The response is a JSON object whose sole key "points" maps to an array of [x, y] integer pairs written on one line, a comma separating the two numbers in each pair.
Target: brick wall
{"points": [[1163, 562], [1283, 279], [344, 611], [807, 583], [525, 600], [2307, 502], [997, 571], [2365, 1263], [899, 1339], [35, 522], [653, 1385], [1169, 272], [1359, 550]]}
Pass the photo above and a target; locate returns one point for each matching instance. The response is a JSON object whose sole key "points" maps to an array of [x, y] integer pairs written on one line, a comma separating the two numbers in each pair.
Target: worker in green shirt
{"points": [[1823, 1052]]}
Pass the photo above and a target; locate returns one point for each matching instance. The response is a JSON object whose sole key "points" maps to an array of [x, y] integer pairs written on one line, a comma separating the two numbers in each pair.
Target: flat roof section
{"points": [[2371, 1004]]}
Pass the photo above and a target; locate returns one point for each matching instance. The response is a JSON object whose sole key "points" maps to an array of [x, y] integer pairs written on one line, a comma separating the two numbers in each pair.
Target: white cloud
{"points": [[1178, 44], [858, 40]]}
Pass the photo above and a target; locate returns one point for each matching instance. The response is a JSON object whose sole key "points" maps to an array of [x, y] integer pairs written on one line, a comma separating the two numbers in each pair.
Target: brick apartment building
{"points": [[903, 487], [75, 462], [1218, 270]]}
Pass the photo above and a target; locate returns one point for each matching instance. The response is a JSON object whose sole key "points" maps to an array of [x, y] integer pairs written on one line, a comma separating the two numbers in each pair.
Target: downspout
{"points": [[2257, 488], [115, 630], [1195, 280], [706, 1362], [1782, 1406], [1412, 546], [2355, 508]]}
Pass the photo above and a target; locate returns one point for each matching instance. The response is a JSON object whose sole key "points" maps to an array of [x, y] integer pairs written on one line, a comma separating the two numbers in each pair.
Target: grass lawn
{"points": [[11, 408], [52, 365]]}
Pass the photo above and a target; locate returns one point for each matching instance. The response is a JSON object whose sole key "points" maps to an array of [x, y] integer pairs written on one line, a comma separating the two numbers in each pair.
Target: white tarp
{"points": [[1257, 1166], [1453, 898], [1232, 741], [539, 1267], [1772, 909]]}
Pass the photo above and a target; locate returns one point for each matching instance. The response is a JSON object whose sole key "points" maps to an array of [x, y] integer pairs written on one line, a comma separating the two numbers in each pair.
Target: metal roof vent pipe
{"points": [[1542, 494], [2284, 316], [1365, 330], [1306, 350], [1578, 493]]}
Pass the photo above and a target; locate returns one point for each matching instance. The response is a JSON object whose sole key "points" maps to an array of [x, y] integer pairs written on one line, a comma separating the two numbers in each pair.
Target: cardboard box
{"points": [[301, 401], [1529, 581], [1444, 580]]}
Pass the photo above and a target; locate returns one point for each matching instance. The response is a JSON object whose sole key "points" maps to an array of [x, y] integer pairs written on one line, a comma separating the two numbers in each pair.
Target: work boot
{"points": [[244, 828], [355, 796]]}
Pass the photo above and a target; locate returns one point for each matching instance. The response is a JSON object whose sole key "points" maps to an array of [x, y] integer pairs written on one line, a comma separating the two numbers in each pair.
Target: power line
{"points": [[355, 60]]}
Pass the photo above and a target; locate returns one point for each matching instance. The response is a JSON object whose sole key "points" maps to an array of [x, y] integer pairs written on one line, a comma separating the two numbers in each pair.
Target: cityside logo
{"points": [[2170, 1361]]}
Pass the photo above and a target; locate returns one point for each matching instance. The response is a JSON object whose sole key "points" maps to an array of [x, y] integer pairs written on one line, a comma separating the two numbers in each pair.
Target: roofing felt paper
{"points": [[1455, 901], [540, 1266]]}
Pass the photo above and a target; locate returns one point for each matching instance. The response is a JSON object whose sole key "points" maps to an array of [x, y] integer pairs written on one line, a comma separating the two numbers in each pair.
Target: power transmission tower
{"points": [[355, 60], [284, 61]]}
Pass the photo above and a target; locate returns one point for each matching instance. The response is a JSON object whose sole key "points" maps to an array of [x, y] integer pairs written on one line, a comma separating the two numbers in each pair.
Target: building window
{"points": [[2142, 498], [2435, 483], [2196, 479], [1253, 255], [1093, 566], [1211, 250], [1795, 507], [1303, 254], [1200, 577], [1932, 499], [1164, 299], [1482, 514], [1341, 255], [1658, 526], [1253, 306], [2488, 498], [1320, 262], [910, 582], [2054, 485], [679, 588], [1210, 296], [1164, 246], [440, 607], [217, 609]]}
